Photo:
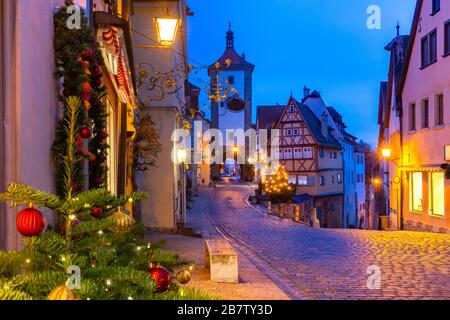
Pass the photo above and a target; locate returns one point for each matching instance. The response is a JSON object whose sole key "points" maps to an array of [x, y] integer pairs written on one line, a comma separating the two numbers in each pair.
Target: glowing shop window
{"points": [[437, 197], [415, 191]]}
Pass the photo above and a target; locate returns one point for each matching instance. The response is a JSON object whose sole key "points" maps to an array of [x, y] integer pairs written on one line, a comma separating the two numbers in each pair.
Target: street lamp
{"points": [[167, 30], [386, 152]]}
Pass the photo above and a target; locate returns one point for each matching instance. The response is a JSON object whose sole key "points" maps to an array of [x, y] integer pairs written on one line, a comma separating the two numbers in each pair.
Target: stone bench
{"points": [[222, 261]]}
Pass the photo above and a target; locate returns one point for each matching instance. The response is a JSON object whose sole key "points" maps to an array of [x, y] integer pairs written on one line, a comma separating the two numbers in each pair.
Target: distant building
{"points": [[389, 116], [354, 192], [310, 154], [198, 173], [231, 78], [164, 101]]}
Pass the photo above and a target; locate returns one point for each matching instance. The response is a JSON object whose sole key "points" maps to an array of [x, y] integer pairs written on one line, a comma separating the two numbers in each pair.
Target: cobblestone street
{"points": [[312, 263]]}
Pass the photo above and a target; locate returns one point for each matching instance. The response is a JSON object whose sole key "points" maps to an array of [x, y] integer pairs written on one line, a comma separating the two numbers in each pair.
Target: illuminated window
{"points": [[292, 180], [415, 191], [288, 153], [302, 180], [437, 197], [339, 178], [297, 153], [278, 154], [307, 153]]}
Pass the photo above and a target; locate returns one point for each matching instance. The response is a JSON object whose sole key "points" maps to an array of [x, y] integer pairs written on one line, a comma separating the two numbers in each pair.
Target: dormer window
{"points": [[436, 6]]}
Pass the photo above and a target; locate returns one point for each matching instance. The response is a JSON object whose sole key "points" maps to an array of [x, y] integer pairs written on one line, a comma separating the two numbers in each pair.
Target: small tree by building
{"points": [[277, 187]]}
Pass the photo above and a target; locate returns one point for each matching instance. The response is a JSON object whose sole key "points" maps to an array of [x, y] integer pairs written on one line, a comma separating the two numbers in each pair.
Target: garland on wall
{"points": [[79, 66]]}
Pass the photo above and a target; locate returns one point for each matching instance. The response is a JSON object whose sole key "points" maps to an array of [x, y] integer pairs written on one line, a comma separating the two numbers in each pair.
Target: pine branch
{"points": [[13, 294], [19, 193]]}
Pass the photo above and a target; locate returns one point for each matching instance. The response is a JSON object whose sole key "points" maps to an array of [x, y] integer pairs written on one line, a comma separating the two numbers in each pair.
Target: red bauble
{"points": [[85, 133], [74, 186], [162, 278], [96, 212], [62, 229], [30, 222]]}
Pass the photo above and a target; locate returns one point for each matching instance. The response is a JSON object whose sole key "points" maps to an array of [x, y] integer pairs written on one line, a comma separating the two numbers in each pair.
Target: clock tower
{"points": [[231, 98]]}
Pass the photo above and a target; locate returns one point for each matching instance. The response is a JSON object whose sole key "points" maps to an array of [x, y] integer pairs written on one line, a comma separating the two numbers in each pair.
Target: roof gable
{"points": [[312, 123]]}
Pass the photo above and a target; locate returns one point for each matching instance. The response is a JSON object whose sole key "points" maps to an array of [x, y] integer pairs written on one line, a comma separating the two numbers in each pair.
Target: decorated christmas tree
{"points": [[97, 252], [277, 186]]}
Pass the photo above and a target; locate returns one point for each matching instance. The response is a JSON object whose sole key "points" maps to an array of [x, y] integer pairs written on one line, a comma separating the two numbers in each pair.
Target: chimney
{"points": [[243, 55], [306, 92], [324, 125]]}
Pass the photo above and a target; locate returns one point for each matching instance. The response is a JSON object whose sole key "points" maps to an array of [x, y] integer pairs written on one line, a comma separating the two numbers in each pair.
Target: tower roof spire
{"points": [[398, 28], [230, 37]]}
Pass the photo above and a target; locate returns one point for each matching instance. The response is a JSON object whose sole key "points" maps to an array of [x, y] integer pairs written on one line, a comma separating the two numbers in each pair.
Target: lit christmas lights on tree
{"points": [[277, 187]]}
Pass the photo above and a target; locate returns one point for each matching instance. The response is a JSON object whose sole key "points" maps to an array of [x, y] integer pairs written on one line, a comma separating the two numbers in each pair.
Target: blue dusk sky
{"points": [[323, 44]]}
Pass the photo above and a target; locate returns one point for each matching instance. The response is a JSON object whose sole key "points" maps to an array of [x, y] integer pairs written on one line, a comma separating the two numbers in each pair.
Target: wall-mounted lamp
{"points": [[167, 30], [386, 152]]}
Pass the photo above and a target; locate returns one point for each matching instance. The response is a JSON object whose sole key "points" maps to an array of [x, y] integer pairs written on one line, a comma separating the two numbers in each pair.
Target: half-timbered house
{"points": [[310, 154]]}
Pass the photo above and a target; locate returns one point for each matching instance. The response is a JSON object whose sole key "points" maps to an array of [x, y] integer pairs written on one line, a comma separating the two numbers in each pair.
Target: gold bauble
{"points": [[62, 293], [122, 221], [183, 277]]}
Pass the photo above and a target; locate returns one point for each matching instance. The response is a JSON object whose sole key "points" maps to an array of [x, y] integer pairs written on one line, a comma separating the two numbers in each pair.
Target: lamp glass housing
{"points": [[167, 30], [386, 152]]}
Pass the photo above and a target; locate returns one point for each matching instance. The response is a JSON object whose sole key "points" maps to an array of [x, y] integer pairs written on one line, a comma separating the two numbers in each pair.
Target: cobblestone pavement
{"points": [[312, 263]]}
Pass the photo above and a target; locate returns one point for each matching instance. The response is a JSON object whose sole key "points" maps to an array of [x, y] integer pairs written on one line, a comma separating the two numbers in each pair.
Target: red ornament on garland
{"points": [[96, 212], [85, 133], [161, 276], [30, 222]]}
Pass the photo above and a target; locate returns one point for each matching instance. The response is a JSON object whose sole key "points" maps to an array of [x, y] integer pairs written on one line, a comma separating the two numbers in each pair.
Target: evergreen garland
{"points": [[79, 66]]}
